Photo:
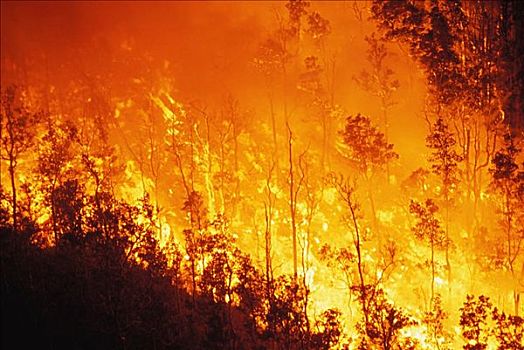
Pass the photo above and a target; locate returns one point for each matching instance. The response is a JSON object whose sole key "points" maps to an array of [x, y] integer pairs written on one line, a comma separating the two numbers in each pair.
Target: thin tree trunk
{"points": [[373, 208], [448, 263], [268, 212], [359, 262], [13, 189], [386, 131], [292, 204], [432, 274]]}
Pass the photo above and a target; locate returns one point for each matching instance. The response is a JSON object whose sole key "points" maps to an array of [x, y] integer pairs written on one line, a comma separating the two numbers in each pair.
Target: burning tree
{"points": [[18, 130], [380, 81], [381, 320], [483, 324], [384, 325], [473, 322], [508, 183], [367, 151], [444, 161], [56, 162], [434, 320], [470, 57], [428, 229]]}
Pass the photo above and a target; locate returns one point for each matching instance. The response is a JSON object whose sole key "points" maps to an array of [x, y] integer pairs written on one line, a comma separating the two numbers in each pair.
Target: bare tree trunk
{"points": [[268, 213], [432, 273], [237, 178], [12, 165], [510, 252], [324, 141], [346, 193], [53, 212], [373, 208], [273, 122], [448, 262], [386, 131], [357, 243], [292, 203]]}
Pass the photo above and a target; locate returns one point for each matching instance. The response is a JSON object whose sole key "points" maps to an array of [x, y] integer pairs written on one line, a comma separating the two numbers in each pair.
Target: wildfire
{"points": [[338, 180]]}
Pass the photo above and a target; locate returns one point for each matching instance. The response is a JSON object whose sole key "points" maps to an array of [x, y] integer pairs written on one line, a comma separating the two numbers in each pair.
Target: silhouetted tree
{"points": [[368, 151], [428, 229], [251, 292], [197, 215], [319, 81], [508, 331], [430, 35], [346, 193], [473, 322], [328, 330], [508, 183], [379, 82], [55, 165], [360, 279], [444, 161], [385, 322], [434, 320], [18, 129]]}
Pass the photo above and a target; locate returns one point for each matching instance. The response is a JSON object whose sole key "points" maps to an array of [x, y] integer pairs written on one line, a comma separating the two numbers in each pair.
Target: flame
{"points": [[238, 159]]}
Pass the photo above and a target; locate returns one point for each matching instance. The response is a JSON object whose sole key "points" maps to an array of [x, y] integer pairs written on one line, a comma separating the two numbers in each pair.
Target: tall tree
{"points": [[319, 80], [508, 183], [434, 319], [55, 161], [368, 151], [471, 56], [379, 82], [428, 229], [430, 35], [444, 161], [18, 129]]}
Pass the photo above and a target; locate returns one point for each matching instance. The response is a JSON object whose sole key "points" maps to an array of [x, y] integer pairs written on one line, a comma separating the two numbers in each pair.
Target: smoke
{"points": [[209, 45]]}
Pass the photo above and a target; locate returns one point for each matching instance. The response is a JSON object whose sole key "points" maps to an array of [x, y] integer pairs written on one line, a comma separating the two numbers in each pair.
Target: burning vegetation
{"points": [[288, 175]]}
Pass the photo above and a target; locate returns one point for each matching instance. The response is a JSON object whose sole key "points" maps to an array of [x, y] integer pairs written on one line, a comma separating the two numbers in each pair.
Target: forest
{"points": [[262, 175]]}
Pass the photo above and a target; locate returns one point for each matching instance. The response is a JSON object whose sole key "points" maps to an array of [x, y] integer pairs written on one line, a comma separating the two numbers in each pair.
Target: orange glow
{"points": [[260, 116]]}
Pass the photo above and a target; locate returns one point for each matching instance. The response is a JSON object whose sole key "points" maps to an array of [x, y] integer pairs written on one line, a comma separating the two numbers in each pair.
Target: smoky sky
{"points": [[200, 39], [209, 45]]}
